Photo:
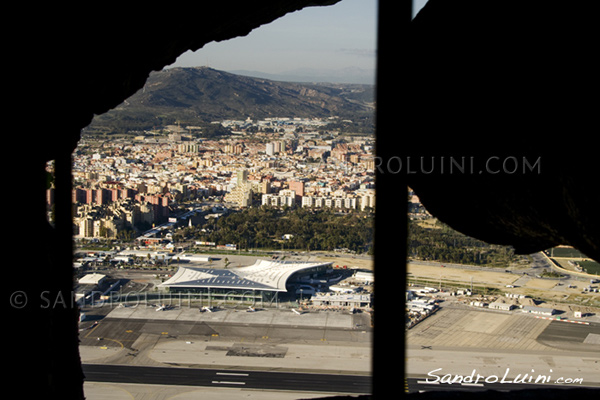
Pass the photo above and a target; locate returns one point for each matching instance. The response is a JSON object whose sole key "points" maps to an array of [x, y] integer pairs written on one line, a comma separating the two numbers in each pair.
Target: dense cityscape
{"points": [[125, 186]]}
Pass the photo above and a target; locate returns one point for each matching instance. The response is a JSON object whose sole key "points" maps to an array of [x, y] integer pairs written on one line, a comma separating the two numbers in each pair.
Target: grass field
{"points": [[566, 252], [562, 255], [591, 267]]}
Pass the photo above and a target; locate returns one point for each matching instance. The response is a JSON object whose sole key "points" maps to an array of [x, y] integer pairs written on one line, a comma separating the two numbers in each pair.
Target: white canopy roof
{"points": [[262, 275]]}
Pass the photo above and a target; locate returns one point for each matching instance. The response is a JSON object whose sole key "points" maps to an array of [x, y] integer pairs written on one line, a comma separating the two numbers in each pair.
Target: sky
{"points": [[329, 37]]}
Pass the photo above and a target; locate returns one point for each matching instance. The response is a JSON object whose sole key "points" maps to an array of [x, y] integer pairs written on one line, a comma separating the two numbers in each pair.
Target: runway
{"points": [[566, 336], [184, 351], [265, 380]]}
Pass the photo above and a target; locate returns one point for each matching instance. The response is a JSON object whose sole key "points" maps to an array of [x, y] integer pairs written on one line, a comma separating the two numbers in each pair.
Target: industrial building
{"points": [[92, 279], [342, 300], [261, 281], [538, 310], [499, 305], [87, 285]]}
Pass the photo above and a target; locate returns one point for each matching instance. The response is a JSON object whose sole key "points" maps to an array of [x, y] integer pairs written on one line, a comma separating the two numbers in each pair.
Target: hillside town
{"points": [[130, 184]]}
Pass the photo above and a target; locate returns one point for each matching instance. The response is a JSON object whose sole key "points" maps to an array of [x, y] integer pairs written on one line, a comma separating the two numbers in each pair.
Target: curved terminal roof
{"points": [[262, 275]]}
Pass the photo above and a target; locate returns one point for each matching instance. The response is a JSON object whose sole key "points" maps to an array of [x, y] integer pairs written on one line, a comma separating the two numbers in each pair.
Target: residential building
{"points": [[241, 194], [281, 199]]}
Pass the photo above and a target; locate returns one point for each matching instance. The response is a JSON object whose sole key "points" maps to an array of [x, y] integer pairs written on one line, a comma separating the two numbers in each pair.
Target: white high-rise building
{"points": [[241, 194], [270, 150], [367, 199]]}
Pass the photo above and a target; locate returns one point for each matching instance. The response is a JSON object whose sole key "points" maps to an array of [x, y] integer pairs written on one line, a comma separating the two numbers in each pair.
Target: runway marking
{"points": [[116, 341], [231, 373], [462, 384], [563, 320]]}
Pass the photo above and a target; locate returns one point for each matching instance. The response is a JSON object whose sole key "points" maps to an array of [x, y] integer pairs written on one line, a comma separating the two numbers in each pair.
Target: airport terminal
{"points": [[262, 281]]}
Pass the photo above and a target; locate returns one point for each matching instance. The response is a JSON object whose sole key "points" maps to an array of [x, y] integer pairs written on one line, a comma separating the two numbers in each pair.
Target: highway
{"points": [[268, 380]]}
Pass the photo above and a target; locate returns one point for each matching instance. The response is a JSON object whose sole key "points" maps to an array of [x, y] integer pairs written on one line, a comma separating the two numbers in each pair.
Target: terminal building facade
{"points": [[260, 282]]}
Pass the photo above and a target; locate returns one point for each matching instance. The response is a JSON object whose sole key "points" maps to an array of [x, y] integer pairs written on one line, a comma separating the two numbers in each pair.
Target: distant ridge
{"points": [[349, 75], [201, 95]]}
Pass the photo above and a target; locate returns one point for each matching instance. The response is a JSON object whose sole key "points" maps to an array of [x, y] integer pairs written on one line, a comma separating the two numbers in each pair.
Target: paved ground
{"points": [[182, 311], [326, 342], [109, 391], [461, 340], [479, 329]]}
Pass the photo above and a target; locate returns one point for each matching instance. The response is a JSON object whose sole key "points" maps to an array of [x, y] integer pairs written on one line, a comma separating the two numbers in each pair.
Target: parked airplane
{"points": [[164, 307], [89, 327], [205, 309], [296, 311]]}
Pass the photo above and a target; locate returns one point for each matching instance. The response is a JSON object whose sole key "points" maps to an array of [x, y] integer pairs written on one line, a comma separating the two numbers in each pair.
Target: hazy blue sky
{"points": [[325, 38], [331, 37]]}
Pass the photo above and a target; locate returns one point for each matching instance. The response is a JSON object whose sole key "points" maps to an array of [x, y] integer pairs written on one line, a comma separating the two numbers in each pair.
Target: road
{"points": [[228, 378]]}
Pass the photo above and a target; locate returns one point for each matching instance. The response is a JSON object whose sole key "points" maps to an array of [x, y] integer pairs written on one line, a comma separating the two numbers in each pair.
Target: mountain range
{"points": [[200, 95]]}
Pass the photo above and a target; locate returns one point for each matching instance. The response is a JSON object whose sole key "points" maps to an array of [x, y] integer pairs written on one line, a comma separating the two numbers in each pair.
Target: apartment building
{"points": [[285, 197], [241, 194]]}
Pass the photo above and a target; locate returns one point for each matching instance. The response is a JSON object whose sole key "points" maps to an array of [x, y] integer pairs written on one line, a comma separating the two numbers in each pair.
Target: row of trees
{"points": [[446, 245], [298, 228]]}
